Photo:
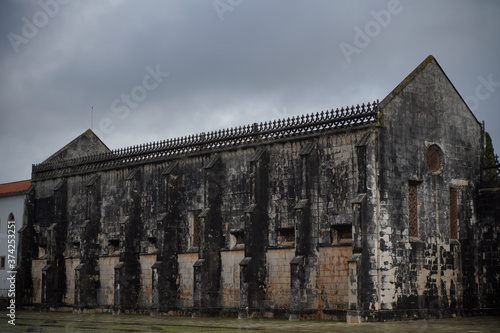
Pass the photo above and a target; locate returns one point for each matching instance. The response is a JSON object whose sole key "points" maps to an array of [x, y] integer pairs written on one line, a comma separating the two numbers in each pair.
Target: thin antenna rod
{"points": [[91, 116]]}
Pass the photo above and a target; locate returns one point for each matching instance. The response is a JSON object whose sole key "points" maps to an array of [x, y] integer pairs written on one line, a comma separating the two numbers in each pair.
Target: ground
{"points": [[30, 321]]}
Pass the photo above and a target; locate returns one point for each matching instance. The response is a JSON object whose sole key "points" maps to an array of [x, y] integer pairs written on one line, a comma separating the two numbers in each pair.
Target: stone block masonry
{"points": [[362, 213]]}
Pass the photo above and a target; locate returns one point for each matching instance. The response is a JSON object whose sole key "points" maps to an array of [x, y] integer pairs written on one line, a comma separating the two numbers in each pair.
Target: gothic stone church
{"points": [[370, 212]]}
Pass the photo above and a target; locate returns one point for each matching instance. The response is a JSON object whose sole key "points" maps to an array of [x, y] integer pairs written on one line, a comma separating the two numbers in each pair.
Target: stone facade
{"points": [[370, 212]]}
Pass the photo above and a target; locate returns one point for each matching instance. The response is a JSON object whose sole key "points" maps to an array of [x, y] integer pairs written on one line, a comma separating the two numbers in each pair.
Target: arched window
{"points": [[11, 217], [434, 158]]}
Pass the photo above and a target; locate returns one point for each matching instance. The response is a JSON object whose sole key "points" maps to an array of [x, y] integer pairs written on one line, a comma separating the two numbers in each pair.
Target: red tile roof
{"points": [[14, 188]]}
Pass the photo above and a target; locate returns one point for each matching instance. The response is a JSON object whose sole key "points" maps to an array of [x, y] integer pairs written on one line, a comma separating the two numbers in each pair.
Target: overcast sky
{"points": [[153, 70]]}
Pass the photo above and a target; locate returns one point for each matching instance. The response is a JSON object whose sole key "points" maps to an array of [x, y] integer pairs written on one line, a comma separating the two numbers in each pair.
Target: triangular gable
{"points": [[413, 75], [88, 143]]}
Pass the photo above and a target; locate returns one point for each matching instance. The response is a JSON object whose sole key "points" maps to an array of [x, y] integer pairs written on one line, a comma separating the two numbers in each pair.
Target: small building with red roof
{"points": [[11, 220]]}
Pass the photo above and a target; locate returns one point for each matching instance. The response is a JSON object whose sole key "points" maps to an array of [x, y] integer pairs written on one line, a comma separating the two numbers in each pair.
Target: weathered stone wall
{"points": [[146, 292], [368, 211], [230, 278], [302, 190], [69, 296], [332, 277], [186, 283], [278, 279], [422, 274], [488, 251], [36, 273], [106, 294], [85, 144]]}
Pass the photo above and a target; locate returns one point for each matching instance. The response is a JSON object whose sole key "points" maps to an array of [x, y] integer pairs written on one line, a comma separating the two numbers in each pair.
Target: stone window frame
{"points": [[152, 246], [237, 239], [338, 234], [194, 229], [430, 156], [113, 246], [42, 251], [74, 248], [286, 237]]}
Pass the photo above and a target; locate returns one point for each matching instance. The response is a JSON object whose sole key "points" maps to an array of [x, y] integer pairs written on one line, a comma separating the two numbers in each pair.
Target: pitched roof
{"points": [[87, 143], [14, 188], [413, 75]]}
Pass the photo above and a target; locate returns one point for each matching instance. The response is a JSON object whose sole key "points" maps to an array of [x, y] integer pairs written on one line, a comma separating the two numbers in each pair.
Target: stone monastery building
{"points": [[370, 212]]}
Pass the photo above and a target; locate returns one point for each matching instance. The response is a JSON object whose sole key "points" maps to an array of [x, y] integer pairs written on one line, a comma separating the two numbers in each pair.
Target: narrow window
{"points": [[42, 251], [453, 213], [361, 152], [194, 228], [113, 246], [413, 210], [434, 158], [2, 262], [341, 233], [286, 236], [75, 249], [237, 240], [151, 247]]}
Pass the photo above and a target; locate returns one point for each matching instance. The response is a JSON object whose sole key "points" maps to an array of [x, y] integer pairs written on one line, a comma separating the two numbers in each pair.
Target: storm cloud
{"points": [[141, 71]]}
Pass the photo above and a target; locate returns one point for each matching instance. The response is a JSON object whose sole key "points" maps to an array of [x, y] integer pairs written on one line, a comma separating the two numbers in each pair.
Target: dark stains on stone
{"points": [[278, 199]]}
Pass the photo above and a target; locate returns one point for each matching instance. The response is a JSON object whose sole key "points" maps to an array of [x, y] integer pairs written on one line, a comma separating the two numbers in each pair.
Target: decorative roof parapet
{"points": [[294, 127]]}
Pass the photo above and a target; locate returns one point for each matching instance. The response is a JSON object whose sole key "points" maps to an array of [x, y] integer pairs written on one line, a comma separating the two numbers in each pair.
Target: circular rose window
{"points": [[434, 158]]}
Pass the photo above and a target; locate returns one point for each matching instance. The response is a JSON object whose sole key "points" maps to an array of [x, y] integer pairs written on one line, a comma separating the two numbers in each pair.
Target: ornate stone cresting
{"points": [[276, 130]]}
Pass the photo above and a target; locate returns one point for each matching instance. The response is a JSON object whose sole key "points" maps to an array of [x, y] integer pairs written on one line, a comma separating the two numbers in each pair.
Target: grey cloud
{"points": [[266, 59]]}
